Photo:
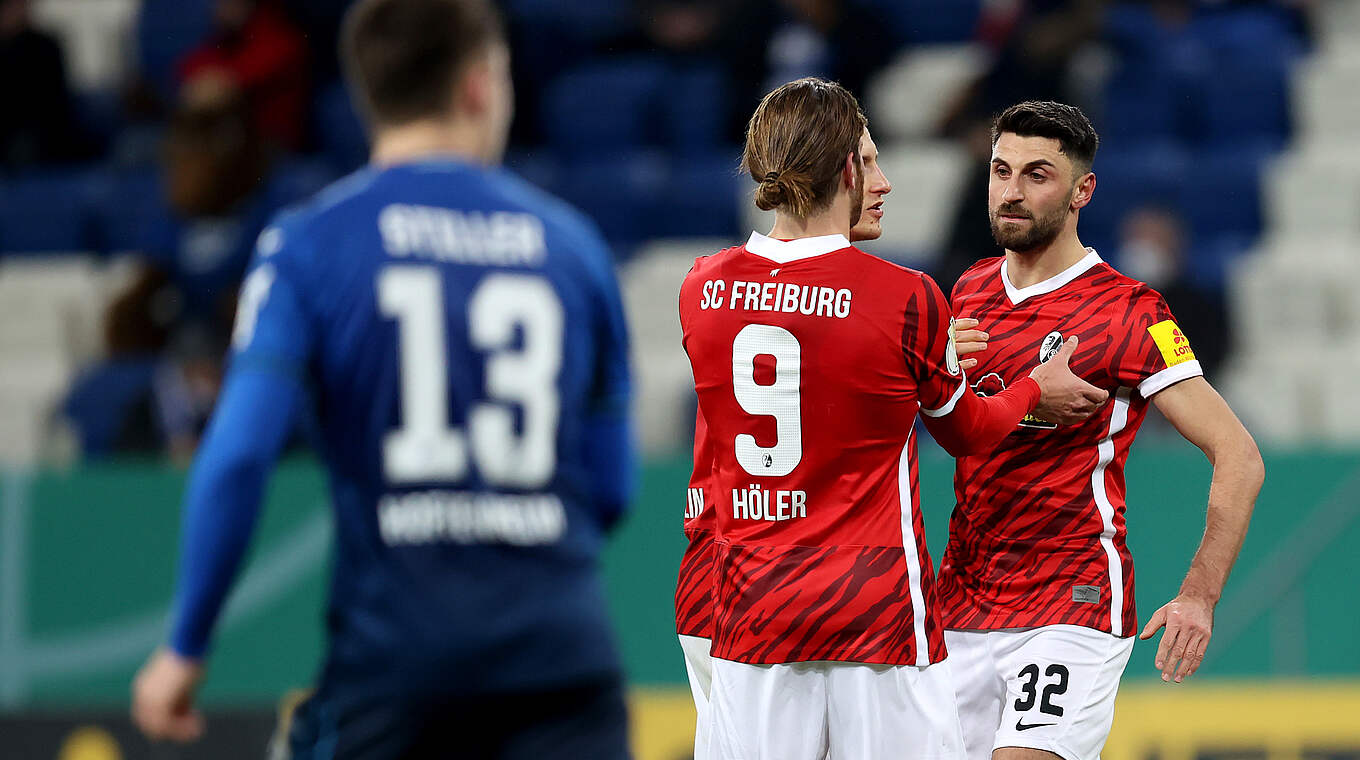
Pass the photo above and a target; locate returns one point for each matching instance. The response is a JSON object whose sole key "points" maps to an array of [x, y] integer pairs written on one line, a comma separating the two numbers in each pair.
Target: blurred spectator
{"points": [[216, 165], [255, 47], [37, 121], [1152, 249], [168, 332]]}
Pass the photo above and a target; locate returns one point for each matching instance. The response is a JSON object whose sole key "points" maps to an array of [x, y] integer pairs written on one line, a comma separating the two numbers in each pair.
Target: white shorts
{"points": [[1050, 688], [699, 668], [849, 711]]}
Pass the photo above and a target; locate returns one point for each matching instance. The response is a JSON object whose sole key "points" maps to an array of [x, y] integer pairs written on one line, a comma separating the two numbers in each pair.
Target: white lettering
{"points": [[843, 303]]}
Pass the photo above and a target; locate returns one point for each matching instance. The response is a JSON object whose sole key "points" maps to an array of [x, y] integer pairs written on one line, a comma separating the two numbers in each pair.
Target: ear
{"points": [[473, 94], [848, 170], [1086, 187]]}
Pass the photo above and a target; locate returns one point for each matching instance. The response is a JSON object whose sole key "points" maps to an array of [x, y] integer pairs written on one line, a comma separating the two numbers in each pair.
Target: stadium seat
{"points": [[910, 96], [923, 22], [588, 21], [128, 205], [166, 31], [1314, 186], [338, 129], [620, 190], [928, 178], [1222, 194], [1129, 176], [604, 106], [50, 210], [693, 108], [700, 198], [1243, 100]]}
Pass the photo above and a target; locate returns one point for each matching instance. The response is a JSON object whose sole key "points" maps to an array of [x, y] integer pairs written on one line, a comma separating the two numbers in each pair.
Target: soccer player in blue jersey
{"points": [[461, 338]]}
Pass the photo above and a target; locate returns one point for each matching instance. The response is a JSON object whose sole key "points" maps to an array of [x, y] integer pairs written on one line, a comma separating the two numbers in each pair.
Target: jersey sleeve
{"points": [[260, 396], [928, 345], [1157, 354], [273, 330]]}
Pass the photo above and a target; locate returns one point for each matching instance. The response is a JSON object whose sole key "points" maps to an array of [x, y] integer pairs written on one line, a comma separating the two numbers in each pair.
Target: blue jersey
{"points": [[461, 337]]}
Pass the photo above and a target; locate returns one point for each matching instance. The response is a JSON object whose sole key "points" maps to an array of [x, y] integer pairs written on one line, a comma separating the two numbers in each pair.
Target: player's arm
{"points": [[1204, 418], [253, 418], [965, 423]]}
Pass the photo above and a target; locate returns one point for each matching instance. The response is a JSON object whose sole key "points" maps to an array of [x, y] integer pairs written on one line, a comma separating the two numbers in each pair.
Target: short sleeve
{"points": [[928, 346], [1156, 354], [273, 330]]}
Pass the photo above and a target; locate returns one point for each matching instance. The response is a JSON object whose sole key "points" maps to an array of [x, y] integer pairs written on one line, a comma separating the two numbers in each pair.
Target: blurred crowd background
{"points": [[145, 143]]}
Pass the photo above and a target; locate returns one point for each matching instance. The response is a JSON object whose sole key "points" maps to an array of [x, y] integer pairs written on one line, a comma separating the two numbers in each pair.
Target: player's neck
{"points": [[419, 140], [833, 221], [1026, 268]]}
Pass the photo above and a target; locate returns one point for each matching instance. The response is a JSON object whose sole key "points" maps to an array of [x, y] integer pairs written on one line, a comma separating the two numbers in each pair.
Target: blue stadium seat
{"points": [[1245, 102], [1128, 176], [701, 198], [1222, 194], [592, 20], [694, 103], [338, 129], [51, 210], [922, 22], [127, 208], [166, 30], [621, 191], [604, 106]]}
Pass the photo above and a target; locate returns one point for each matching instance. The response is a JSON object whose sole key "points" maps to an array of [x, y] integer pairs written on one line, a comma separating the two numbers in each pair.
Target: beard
{"points": [[1042, 230], [857, 196]]}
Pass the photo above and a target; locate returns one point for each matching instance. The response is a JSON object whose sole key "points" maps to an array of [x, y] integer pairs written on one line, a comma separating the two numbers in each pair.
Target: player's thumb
{"points": [[1065, 353], [1157, 621]]}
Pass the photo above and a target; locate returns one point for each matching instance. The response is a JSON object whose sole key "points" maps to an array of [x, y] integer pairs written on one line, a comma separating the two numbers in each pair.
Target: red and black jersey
{"points": [[811, 359], [1037, 536]]}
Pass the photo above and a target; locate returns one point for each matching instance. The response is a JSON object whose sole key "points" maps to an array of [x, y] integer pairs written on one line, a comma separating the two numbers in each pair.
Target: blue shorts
{"points": [[589, 721]]}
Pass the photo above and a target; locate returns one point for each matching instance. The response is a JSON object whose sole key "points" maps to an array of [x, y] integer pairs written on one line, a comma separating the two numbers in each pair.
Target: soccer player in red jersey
{"points": [[811, 360], [1036, 586], [694, 589]]}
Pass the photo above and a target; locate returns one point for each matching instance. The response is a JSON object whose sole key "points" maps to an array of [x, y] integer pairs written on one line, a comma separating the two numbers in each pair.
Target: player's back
{"points": [[803, 356], [465, 329]]}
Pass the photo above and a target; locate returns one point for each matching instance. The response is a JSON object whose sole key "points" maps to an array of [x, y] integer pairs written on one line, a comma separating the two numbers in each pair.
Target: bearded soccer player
{"points": [[1036, 585], [811, 360], [462, 336]]}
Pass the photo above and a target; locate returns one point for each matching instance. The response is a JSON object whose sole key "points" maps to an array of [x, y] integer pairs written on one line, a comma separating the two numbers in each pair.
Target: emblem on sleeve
{"points": [[1173, 344]]}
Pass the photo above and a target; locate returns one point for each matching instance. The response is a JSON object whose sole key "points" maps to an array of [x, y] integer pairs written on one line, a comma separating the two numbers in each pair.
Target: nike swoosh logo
{"points": [[1021, 725]]}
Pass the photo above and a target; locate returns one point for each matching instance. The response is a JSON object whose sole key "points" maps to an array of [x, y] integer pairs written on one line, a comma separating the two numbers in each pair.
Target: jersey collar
{"points": [[1051, 284], [785, 251]]}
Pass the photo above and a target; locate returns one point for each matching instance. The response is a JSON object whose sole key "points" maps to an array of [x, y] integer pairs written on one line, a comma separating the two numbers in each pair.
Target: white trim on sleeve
{"points": [[949, 405], [1169, 377], [1105, 451], [913, 557]]}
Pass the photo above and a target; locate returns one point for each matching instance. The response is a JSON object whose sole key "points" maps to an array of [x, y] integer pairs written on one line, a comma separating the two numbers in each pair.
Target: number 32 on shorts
{"points": [[1055, 685]]}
